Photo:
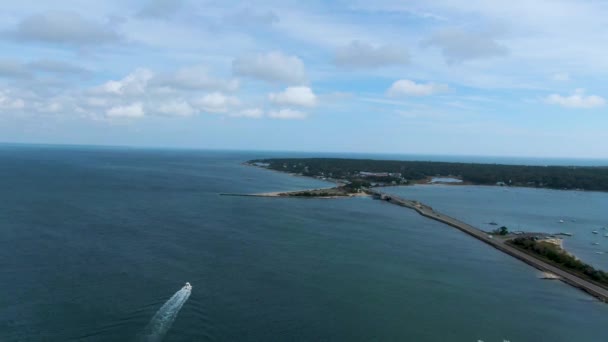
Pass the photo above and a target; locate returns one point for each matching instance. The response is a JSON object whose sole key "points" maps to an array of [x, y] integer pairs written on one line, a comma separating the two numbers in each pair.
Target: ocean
{"points": [[97, 243]]}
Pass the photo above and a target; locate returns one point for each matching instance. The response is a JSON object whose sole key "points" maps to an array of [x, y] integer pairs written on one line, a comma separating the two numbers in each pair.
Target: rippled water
{"points": [[93, 242]]}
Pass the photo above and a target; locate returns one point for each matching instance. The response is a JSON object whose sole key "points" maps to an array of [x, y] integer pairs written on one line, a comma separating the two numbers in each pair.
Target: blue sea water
{"points": [[579, 213], [95, 241]]}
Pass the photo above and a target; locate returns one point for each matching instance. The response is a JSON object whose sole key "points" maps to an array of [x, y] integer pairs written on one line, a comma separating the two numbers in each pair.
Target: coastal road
{"points": [[570, 278]]}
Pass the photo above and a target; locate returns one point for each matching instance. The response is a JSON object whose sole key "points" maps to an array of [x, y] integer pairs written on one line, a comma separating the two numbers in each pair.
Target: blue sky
{"points": [[517, 78]]}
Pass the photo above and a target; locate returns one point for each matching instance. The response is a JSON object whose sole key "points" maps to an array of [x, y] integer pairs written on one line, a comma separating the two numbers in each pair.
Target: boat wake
{"points": [[161, 322]]}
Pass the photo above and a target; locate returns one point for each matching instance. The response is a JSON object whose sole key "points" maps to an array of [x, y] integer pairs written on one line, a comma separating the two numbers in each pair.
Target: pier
{"points": [[570, 278]]}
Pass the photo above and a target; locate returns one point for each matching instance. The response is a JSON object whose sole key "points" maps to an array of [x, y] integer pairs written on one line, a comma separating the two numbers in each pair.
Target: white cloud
{"points": [[133, 84], [9, 102], [577, 100], [271, 67], [458, 45], [561, 77], [287, 114], [176, 108], [294, 96], [64, 27], [196, 78], [170, 94], [135, 110], [360, 54], [216, 103], [51, 107], [254, 113], [411, 88]]}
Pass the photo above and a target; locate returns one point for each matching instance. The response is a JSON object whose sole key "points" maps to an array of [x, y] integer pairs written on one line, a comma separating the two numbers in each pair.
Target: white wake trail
{"points": [[163, 319]]}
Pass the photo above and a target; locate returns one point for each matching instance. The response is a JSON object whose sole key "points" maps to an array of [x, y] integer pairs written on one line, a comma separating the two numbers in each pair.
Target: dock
{"points": [[570, 278]]}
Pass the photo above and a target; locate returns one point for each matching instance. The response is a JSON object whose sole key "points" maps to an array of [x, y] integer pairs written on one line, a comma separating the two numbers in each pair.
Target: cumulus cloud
{"points": [[254, 113], [576, 100], [176, 108], [458, 45], [287, 114], [411, 88], [196, 78], [561, 77], [51, 107], [170, 94], [133, 84], [360, 54], [294, 96], [63, 27], [160, 9], [135, 110], [252, 18], [271, 67], [9, 102], [216, 103]]}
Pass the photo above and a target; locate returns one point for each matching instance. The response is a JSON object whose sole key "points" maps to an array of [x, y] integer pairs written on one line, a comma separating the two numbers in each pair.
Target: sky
{"points": [[517, 78]]}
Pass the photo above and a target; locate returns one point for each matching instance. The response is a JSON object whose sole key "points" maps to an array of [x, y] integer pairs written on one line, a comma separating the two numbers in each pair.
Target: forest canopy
{"points": [[555, 177]]}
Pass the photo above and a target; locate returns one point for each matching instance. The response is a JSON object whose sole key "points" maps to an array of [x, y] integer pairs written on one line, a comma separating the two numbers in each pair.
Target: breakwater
{"points": [[568, 277]]}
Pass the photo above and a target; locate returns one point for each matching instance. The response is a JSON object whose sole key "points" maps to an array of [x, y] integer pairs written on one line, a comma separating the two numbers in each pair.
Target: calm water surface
{"points": [[94, 241], [527, 209]]}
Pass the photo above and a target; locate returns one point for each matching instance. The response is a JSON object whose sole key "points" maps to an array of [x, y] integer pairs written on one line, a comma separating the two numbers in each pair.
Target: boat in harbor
{"points": [[594, 232]]}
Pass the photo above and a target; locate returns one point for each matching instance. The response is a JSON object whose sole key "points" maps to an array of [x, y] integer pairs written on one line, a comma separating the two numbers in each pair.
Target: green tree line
{"points": [[555, 177]]}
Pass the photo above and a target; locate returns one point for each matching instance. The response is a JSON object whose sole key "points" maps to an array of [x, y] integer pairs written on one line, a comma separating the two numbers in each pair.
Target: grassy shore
{"points": [[558, 257]]}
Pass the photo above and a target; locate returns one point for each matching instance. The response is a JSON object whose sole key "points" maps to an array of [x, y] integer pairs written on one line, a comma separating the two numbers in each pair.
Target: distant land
{"points": [[370, 172]]}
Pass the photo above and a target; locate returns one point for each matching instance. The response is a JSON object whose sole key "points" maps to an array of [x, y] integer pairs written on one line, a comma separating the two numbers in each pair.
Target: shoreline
{"points": [[291, 194], [426, 180], [598, 291], [288, 173], [557, 272]]}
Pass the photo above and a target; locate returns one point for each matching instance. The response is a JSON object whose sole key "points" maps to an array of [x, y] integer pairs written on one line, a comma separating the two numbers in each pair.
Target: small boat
{"points": [[549, 276], [594, 232], [493, 223], [187, 286], [566, 234], [561, 221], [595, 243]]}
